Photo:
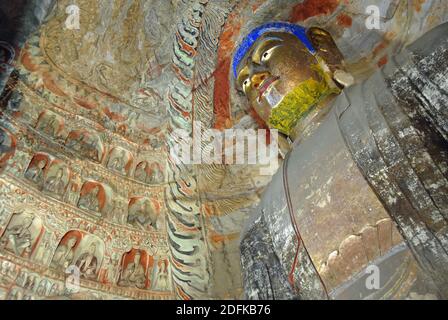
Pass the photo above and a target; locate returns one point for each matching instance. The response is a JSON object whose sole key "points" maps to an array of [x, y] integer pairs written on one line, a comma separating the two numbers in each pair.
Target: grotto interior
{"points": [[95, 94]]}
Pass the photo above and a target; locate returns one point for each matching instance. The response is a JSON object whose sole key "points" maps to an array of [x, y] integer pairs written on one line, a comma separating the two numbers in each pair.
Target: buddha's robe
{"points": [[364, 193]]}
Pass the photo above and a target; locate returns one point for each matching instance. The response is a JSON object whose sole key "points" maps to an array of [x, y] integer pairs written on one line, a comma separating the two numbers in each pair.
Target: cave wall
{"points": [[98, 104]]}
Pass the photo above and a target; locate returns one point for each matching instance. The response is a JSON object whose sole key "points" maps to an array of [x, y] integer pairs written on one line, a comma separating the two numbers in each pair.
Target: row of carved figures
{"points": [[54, 178], [91, 146], [26, 285], [26, 236]]}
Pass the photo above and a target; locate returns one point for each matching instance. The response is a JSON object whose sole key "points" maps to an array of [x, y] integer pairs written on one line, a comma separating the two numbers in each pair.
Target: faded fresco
{"points": [[90, 97]]}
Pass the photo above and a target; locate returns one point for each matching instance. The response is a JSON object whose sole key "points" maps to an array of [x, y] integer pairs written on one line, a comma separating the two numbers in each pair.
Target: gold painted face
{"points": [[279, 70]]}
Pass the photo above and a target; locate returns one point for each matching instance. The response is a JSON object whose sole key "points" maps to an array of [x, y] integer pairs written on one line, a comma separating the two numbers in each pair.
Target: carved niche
{"points": [[7, 147], [57, 178], [22, 234], [77, 248], [134, 269], [120, 160], [95, 197], [143, 213], [86, 144], [35, 172], [50, 124], [150, 173], [161, 276]]}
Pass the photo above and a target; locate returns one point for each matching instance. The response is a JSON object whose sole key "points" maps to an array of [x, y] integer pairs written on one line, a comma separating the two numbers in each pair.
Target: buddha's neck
{"points": [[312, 120]]}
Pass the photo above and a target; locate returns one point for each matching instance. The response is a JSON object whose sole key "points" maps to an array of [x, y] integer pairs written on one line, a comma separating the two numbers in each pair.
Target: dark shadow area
{"points": [[18, 20]]}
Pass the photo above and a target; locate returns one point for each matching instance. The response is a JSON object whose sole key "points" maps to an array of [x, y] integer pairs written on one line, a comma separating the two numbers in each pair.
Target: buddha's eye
{"points": [[266, 55], [246, 84]]}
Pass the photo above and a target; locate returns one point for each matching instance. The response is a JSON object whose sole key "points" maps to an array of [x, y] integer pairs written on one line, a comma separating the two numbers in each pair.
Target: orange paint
{"points": [[128, 165], [85, 104], [312, 8], [88, 186], [156, 205], [114, 116], [383, 45], [261, 123], [216, 238], [40, 157], [383, 61], [344, 20], [146, 262], [51, 85], [72, 234], [182, 294], [207, 210], [418, 5], [8, 155], [27, 63], [221, 94], [184, 188], [180, 74], [185, 46], [255, 6], [185, 114]]}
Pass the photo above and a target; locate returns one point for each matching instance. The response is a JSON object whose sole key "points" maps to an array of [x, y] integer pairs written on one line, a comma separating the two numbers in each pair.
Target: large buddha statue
{"points": [[359, 207]]}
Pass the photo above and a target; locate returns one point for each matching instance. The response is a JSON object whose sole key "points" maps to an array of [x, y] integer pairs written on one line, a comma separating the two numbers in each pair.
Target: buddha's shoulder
{"points": [[431, 42]]}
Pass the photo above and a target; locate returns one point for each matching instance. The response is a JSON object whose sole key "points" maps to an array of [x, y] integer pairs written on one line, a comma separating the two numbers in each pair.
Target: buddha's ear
{"points": [[326, 48]]}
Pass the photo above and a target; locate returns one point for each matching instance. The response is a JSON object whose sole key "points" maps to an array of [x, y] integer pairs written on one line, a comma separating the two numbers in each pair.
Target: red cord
{"points": [[296, 230]]}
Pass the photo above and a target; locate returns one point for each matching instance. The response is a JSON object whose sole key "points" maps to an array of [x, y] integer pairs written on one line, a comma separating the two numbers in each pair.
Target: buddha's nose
{"points": [[258, 78]]}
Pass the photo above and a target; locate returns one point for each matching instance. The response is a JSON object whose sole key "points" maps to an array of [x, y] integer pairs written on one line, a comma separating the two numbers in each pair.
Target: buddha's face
{"points": [[71, 242], [92, 248], [275, 67], [59, 174]]}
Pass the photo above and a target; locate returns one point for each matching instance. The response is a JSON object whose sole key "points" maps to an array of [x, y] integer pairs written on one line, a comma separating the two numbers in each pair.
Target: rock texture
{"points": [[86, 117]]}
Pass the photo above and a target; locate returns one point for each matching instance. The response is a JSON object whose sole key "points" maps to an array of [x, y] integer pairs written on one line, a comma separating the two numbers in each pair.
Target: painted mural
{"points": [[87, 117]]}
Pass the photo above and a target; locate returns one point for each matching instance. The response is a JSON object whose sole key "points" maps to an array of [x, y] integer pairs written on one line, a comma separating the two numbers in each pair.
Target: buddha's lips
{"points": [[265, 85]]}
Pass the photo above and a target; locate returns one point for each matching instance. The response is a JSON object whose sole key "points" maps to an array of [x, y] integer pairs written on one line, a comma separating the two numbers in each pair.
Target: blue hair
{"points": [[252, 37]]}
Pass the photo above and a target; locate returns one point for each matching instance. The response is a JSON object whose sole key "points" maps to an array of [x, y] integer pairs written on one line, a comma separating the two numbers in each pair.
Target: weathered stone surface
{"points": [[97, 105]]}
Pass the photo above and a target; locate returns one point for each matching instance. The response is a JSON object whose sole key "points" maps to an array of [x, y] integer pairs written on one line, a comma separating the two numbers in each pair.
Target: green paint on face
{"points": [[299, 102]]}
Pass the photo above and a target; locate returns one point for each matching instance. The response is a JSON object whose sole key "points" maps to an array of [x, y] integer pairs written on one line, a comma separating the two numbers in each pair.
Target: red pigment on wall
{"points": [[221, 94], [380, 47], [418, 5], [312, 8], [383, 61], [344, 20]]}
